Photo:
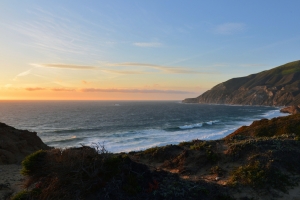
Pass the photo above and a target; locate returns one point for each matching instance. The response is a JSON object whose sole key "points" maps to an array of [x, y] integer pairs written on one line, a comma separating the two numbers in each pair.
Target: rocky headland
{"points": [[279, 86], [15, 145], [260, 161]]}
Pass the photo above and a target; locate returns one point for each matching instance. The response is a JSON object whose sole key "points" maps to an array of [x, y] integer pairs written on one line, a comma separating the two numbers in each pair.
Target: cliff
{"points": [[16, 144], [275, 87]]}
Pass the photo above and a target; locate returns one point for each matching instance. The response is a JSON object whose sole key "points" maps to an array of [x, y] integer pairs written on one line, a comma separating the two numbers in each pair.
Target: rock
{"points": [[291, 110], [269, 128], [16, 144]]}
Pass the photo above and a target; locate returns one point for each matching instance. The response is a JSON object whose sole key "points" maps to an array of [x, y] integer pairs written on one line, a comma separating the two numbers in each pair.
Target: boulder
{"points": [[291, 110]]}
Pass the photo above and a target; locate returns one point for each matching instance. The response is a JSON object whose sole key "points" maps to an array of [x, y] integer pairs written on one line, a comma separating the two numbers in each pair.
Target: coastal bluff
{"points": [[16, 144], [279, 86]]}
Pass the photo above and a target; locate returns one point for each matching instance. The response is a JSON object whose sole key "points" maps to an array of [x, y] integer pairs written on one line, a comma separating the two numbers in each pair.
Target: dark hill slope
{"points": [[278, 86], [16, 144]]}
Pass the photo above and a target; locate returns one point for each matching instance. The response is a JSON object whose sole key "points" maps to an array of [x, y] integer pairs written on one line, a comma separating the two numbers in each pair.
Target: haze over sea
{"points": [[128, 125]]}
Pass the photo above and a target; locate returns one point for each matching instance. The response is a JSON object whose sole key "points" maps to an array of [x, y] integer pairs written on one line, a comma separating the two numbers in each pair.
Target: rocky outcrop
{"points": [[291, 110], [279, 86], [16, 144]]}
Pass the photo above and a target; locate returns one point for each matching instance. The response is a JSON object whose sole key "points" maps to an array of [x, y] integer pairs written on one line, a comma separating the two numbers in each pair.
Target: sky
{"points": [[139, 50]]}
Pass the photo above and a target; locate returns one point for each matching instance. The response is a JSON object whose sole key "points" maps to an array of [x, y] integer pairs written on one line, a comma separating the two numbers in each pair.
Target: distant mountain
{"points": [[279, 86]]}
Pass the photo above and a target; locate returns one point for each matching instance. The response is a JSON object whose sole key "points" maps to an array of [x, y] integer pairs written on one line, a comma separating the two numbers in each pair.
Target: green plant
{"points": [[151, 150], [211, 156], [32, 162], [182, 144], [252, 174], [23, 195], [199, 145]]}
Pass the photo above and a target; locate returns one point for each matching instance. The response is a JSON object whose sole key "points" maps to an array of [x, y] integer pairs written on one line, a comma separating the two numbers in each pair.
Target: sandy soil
{"points": [[205, 174], [10, 180], [294, 194]]}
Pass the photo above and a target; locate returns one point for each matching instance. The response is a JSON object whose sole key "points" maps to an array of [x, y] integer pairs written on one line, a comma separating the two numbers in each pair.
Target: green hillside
{"points": [[275, 87]]}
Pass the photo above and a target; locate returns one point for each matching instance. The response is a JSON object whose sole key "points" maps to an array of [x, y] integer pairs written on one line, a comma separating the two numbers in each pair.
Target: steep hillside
{"points": [[275, 87], [16, 144]]}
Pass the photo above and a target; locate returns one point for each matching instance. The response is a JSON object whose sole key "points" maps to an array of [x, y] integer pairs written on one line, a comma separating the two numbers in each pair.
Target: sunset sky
{"points": [[139, 50]]}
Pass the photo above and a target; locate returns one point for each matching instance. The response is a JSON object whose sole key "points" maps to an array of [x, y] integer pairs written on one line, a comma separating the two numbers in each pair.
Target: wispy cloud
{"points": [[63, 89], [32, 89], [65, 66], [35, 89], [123, 72], [147, 44], [25, 73], [230, 28], [85, 67], [108, 68], [110, 90], [55, 35], [134, 91], [166, 69]]}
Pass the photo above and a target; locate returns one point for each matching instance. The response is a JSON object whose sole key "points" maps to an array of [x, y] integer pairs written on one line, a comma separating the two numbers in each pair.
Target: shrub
{"points": [[23, 195], [199, 145], [32, 162], [252, 174]]}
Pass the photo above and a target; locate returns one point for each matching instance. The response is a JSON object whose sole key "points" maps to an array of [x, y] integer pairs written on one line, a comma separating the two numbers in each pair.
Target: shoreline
{"points": [[222, 135], [173, 159], [206, 132], [213, 165]]}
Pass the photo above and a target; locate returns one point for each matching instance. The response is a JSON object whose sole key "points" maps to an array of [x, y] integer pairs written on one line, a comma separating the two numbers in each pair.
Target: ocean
{"points": [[123, 126]]}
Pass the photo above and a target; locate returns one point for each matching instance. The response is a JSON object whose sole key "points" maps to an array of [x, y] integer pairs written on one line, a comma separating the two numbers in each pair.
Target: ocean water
{"points": [[124, 126]]}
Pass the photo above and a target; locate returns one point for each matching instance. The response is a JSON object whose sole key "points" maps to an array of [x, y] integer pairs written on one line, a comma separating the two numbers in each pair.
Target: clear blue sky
{"points": [[139, 49]]}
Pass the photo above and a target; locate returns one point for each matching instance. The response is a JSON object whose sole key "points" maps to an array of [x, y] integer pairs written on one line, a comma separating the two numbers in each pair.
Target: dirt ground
{"points": [[10, 180], [205, 174]]}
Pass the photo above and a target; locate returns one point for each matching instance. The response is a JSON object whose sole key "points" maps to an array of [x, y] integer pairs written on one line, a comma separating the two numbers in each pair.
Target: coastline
{"points": [[217, 159], [218, 134], [162, 123], [213, 165]]}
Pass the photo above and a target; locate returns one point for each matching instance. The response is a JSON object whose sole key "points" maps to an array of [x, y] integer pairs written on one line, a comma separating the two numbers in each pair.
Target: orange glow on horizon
{"points": [[77, 95]]}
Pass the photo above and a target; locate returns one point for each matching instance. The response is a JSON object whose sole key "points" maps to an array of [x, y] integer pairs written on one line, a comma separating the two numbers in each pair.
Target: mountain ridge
{"points": [[279, 86]]}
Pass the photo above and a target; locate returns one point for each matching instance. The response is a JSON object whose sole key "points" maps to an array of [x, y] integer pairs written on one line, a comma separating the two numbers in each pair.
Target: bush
{"points": [[252, 174], [199, 145], [81, 173], [32, 162], [23, 195]]}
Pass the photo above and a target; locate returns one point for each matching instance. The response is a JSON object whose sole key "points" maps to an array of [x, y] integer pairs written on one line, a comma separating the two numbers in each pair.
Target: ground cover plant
{"points": [[87, 173]]}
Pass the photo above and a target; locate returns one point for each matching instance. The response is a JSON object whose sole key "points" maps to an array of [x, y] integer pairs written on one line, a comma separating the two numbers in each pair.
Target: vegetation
{"points": [[24, 195], [278, 86], [258, 157], [33, 162]]}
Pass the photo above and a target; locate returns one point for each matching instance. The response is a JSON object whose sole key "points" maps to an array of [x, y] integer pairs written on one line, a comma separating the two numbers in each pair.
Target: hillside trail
{"points": [[10, 180]]}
